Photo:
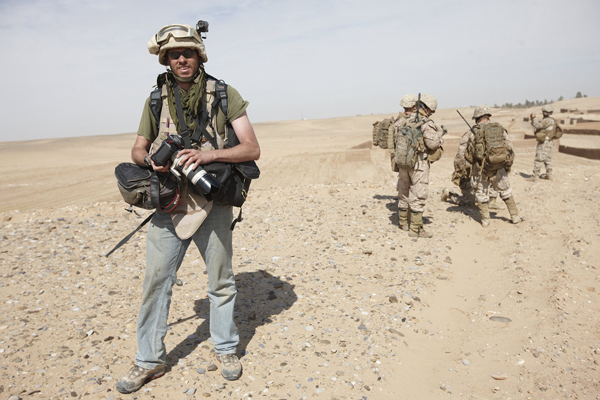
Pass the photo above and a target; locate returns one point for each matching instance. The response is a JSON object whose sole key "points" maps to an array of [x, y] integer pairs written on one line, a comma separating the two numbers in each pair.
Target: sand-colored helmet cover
{"points": [[430, 101], [173, 42], [482, 110], [408, 101], [548, 108]]}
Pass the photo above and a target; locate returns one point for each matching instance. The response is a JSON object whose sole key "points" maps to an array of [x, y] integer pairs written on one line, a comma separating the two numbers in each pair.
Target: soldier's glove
{"points": [[532, 116]]}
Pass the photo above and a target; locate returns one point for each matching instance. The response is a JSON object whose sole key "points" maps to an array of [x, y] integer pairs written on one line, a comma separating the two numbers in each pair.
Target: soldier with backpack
{"points": [[546, 131], [192, 109], [490, 153], [418, 144], [462, 177], [408, 102]]}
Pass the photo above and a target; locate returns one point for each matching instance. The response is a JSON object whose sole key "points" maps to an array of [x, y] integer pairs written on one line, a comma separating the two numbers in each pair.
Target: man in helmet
{"points": [[188, 93], [487, 175], [408, 102], [546, 131], [462, 177], [413, 183]]}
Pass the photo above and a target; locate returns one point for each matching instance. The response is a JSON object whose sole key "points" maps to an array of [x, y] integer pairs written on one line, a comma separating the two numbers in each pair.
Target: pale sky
{"points": [[81, 67]]}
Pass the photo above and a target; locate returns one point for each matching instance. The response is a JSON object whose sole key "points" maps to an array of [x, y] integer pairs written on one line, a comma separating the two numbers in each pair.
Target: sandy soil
{"points": [[335, 302]]}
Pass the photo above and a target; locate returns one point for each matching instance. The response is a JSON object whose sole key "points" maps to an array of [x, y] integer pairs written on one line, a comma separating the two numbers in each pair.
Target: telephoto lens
{"points": [[202, 180]]}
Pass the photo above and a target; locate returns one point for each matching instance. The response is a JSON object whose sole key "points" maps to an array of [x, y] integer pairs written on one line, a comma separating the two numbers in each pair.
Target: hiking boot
{"points": [[138, 376], [403, 219], [231, 367], [546, 176], [445, 194], [492, 205], [416, 226]]}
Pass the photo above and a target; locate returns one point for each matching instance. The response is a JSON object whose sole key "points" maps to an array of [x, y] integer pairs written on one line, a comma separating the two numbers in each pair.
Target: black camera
{"points": [[205, 183], [202, 27]]}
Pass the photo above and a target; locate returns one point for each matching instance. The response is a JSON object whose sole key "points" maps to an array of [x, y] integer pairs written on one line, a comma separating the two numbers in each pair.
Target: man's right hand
{"points": [[157, 168], [532, 115]]}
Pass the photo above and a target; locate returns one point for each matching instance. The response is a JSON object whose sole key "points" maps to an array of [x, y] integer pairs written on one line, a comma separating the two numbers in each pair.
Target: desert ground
{"points": [[334, 300]]}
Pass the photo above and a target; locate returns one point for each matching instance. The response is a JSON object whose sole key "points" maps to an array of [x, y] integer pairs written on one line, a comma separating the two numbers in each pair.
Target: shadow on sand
{"points": [[526, 176], [260, 297]]}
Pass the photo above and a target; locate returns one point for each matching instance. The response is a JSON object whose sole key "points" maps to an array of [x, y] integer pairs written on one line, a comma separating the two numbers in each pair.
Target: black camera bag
{"points": [[235, 180], [142, 187]]}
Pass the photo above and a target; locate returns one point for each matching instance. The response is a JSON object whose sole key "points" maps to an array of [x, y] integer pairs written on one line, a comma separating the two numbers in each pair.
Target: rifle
{"points": [[418, 102], [472, 131], [474, 136]]}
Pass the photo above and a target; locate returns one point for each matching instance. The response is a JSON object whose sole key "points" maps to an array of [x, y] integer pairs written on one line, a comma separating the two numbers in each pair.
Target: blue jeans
{"points": [[164, 254]]}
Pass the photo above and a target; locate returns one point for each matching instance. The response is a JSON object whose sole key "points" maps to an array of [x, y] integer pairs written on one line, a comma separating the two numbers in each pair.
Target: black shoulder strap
{"points": [[156, 105], [221, 95], [221, 98], [126, 238]]}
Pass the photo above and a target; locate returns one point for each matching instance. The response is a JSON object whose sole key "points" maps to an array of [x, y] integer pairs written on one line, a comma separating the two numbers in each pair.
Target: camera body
{"points": [[204, 182], [202, 26]]}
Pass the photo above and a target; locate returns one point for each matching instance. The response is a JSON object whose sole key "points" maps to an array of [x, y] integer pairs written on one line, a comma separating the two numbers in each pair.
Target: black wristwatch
{"points": [[147, 161]]}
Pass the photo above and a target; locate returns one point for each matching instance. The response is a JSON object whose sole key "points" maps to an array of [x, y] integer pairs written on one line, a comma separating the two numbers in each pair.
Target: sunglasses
{"points": [[174, 55]]}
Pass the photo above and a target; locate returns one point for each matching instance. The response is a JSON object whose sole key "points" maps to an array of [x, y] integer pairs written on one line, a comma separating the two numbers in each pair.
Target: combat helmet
{"points": [[408, 101], [482, 110], [548, 108], [430, 101], [175, 36]]}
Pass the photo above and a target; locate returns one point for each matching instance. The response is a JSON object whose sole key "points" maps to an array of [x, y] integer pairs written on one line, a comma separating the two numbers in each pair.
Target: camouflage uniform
{"points": [[544, 132], [484, 180], [461, 177], [413, 184]]}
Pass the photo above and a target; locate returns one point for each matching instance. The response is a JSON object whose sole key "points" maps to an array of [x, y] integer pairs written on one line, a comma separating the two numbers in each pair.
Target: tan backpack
{"points": [[381, 130]]}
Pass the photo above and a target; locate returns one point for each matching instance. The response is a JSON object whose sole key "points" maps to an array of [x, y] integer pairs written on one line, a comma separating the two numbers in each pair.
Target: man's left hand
{"points": [[194, 157]]}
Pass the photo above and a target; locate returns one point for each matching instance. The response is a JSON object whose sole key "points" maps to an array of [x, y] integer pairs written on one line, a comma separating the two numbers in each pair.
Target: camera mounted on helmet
{"points": [[202, 27]]}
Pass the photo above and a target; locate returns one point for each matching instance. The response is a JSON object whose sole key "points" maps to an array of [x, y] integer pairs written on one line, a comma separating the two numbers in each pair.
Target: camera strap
{"points": [[126, 238], [155, 185], [184, 131]]}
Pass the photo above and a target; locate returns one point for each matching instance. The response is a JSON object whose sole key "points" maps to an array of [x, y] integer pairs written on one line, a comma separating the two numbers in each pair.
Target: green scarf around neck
{"points": [[191, 100]]}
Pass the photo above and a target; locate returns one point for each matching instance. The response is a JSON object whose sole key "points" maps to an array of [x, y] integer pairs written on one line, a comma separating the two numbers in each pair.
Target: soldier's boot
{"points": [[445, 194], [513, 210], [416, 226], [493, 205], [547, 176], [484, 211], [403, 219]]}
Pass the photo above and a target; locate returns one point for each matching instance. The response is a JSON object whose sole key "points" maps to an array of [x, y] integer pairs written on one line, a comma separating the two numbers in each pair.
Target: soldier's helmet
{"points": [[408, 101], [176, 36], [482, 110], [548, 108], [429, 101]]}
